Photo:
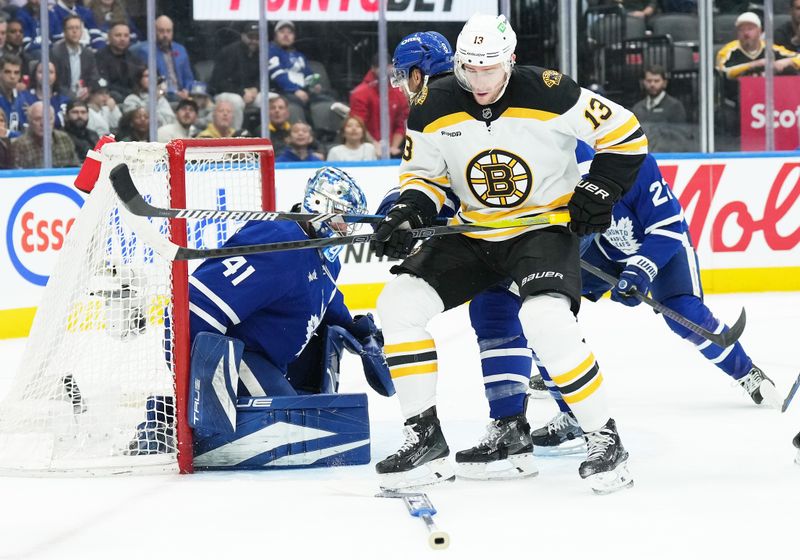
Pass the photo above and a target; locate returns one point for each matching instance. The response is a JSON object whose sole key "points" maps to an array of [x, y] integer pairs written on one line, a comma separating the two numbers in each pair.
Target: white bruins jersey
{"points": [[516, 157]]}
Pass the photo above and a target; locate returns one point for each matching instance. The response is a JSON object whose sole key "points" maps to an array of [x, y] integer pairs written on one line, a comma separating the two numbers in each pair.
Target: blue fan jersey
{"points": [[273, 302]]}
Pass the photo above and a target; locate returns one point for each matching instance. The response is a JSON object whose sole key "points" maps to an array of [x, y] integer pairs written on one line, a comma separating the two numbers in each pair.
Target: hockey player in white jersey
{"points": [[503, 140]]}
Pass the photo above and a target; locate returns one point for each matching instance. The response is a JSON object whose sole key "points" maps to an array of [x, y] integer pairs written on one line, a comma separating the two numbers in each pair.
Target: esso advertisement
{"points": [[37, 225]]}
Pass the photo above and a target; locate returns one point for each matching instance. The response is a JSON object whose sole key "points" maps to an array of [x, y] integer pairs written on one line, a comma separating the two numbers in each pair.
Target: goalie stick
{"points": [[130, 196], [144, 229], [723, 339], [791, 394], [419, 505]]}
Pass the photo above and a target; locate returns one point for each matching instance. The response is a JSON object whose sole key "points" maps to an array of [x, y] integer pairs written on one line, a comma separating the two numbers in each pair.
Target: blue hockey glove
{"points": [[632, 280], [591, 204], [365, 339]]}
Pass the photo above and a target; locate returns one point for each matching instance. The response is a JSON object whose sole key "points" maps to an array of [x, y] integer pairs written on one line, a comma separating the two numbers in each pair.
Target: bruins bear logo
{"points": [[551, 78], [499, 179]]}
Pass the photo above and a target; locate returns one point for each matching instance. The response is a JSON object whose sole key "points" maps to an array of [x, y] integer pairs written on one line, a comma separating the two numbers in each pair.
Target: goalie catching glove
{"points": [[364, 339], [591, 204]]}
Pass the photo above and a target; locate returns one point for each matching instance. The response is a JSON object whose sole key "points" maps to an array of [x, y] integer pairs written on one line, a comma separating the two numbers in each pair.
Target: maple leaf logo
{"points": [[620, 235]]}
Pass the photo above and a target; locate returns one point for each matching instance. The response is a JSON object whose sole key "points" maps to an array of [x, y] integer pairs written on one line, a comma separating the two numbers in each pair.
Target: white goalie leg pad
{"points": [[432, 472], [612, 481], [511, 468], [553, 333], [405, 307]]}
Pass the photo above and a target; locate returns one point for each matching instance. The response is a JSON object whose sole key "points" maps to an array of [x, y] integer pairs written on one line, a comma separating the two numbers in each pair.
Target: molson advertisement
{"points": [[743, 213]]}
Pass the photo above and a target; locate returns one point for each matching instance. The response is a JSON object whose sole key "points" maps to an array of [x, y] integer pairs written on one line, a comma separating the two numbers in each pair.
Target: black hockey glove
{"points": [[393, 236], [591, 204]]}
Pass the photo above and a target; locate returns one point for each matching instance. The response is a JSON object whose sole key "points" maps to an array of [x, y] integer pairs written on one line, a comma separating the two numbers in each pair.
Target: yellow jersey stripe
{"points": [[486, 215], [576, 372], [619, 132], [499, 233], [582, 394], [447, 120], [408, 346], [432, 192], [444, 180], [522, 113], [632, 146], [413, 370]]}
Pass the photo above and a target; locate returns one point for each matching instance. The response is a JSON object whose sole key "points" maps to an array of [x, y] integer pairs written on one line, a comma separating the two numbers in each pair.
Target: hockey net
{"points": [[103, 383]]}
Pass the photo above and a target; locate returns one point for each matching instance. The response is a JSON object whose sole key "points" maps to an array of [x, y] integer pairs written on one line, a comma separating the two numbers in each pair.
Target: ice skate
{"points": [[560, 436], [537, 388], [760, 388], [422, 459], [605, 467], [505, 452]]}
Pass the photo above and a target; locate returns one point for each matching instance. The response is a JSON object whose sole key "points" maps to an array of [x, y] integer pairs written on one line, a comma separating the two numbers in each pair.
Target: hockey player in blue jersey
{"points": [[276, 302]]}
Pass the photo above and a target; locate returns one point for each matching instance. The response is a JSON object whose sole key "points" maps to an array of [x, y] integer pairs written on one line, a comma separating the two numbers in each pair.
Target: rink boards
{"points": [[743, 212]]}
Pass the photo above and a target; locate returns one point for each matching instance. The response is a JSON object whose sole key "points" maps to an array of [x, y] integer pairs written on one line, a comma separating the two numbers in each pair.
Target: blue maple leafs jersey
{"points": [[273, 302], [647, 223]]}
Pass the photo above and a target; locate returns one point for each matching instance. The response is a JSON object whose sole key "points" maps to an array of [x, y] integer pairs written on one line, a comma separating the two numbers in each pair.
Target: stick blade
{"points": [[123, 184], [730, 336], [791, 394]]}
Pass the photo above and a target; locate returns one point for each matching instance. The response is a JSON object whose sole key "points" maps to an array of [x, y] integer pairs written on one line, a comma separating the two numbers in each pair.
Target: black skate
{"points": [[422, 459], [560, 436], [537, 388], [605, 467], [505, 452], [760, 388]]}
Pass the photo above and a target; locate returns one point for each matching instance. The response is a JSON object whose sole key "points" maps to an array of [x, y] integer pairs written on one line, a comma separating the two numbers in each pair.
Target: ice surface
{"points": [[714, 474]]}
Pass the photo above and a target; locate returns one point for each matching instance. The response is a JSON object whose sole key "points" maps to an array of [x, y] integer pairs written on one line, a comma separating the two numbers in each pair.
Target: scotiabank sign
{"points": [[785, 117], [343, 10]]}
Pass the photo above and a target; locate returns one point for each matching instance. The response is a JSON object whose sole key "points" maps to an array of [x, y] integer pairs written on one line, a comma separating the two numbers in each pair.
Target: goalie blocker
{"points": [[302, 423]]}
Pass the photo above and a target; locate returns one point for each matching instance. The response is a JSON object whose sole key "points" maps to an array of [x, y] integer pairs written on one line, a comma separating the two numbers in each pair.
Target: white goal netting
{"points": [[95, 392]]}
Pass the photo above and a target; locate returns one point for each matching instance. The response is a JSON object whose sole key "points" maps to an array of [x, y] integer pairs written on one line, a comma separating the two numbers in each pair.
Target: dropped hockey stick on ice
{"points": [[420, 506], [164, 247], [723, 339], [132, 199], [788, 400]]}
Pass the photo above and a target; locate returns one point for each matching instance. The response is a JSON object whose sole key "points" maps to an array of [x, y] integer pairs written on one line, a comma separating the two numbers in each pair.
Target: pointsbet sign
{"points": [[343, 10]]}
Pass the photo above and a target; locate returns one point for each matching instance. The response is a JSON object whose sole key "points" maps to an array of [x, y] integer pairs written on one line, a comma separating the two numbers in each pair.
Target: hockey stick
{"points": [[130, 196], [791, 394], [419, 505], [144, 229], [723, 339]]}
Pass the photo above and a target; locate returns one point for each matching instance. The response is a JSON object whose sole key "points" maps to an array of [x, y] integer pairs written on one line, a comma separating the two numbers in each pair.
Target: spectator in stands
{"points": [[221, 125], [90, 35], [299, 144], [679, 6], [289, 71], [205, 106], [10, 102], [355, 144], [140, 97], [3, 31], [658, 105], [172, 60], [106, 12], [57, 100], [76, 126], [635, 8], [75, 64], [15, 44], [184, 126], [788, 34], [745, 55], [28, 15], [104, 113], [365, 104], [116, 64], [27, 151], [279, 125], [134, 126], [236, 67], [5, 144]]}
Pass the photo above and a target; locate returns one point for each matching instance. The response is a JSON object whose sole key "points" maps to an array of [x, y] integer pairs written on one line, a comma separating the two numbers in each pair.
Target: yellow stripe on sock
{"points": [[573, 374], [585, 392], [413, 370], [408, 346]]}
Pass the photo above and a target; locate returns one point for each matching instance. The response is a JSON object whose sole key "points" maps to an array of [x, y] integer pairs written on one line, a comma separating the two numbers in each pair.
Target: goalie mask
{"points": [[332, 191], [485, 41], [427, 50]]}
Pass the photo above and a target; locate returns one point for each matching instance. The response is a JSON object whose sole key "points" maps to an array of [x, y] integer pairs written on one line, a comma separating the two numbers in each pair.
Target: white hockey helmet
{"points": [[485, 40]]}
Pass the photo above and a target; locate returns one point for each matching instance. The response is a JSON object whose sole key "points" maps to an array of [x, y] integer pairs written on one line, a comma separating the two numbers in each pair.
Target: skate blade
{"points": [[538, 395], [512, 468], [769, 395], [428, 474], [611, 481], [797, 459], [572, 447]]}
